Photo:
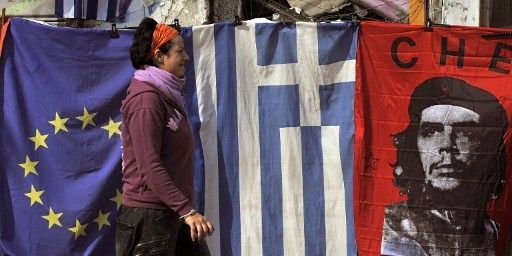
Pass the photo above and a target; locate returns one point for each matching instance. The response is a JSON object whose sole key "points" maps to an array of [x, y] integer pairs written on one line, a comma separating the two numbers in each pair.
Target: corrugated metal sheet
{"points": [[393, 10]]}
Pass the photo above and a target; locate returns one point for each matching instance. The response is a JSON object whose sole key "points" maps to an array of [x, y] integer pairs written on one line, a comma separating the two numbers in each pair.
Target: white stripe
{"points": [[84, 8], [69, 9], [334, 193], [342, 71], [248, 140], [293, 199], [287, 74], [309, 72], [278, 74], [204, 65], [102, 10]]}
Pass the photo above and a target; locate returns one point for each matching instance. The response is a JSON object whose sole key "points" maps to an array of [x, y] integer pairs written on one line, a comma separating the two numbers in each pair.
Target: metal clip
{"points": [[114, 33], [177, 25], [237, 20], [428, 26]]}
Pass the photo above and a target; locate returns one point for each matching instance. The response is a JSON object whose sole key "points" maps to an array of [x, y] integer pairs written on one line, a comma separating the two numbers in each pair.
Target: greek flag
{"points": [[109, 10], [274, 103]]}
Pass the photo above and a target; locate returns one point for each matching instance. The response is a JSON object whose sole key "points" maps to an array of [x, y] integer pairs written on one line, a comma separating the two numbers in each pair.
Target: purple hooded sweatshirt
{"points": [[157, 151]]}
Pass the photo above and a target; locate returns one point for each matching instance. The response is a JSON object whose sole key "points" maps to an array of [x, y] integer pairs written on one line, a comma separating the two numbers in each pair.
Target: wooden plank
{"points": [[501, 17], [417, 12]]}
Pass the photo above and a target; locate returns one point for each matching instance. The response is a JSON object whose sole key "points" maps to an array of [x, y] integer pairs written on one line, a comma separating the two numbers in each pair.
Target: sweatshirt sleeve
{"points": [[146, 126]]}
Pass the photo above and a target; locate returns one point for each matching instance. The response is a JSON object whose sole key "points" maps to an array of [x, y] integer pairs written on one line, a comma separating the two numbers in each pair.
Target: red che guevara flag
{"points": [[433, 147]]}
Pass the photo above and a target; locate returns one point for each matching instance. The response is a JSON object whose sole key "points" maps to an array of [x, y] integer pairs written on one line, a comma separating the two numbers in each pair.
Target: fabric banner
{"points": [[61, 91], [275, 101], [432, 150], [108, 10], [116, 11], [271, 106]]}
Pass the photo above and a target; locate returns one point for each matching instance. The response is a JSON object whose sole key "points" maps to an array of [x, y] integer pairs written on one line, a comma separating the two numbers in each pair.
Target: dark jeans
{"points": [[152, 232]]}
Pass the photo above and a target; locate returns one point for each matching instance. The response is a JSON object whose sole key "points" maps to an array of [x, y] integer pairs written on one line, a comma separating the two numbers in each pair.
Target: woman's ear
{"points": [[159, 57]]}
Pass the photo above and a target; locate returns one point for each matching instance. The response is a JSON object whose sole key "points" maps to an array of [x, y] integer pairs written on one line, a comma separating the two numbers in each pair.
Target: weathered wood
{"points": [[501, 14]]}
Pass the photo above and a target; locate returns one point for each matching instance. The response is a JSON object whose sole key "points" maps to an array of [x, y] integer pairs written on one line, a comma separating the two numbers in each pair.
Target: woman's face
{"points": [[174, 61]]}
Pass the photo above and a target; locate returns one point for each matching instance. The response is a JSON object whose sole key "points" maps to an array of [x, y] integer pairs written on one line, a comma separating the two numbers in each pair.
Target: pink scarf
{"points": [[167, 83]]}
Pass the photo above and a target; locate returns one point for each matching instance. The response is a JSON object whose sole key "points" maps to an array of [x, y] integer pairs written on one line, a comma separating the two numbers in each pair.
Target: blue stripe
{"points": [[336, 42], [78, 9], [337, 106], [227, 127], [313, 190], [193, 118], [59, 8], [278, 107], [92, 9], [111, 11], [276, 43]]}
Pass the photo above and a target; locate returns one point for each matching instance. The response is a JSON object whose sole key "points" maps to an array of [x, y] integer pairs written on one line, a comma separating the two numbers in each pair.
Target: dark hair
{"points": [[141, 45], [409, 175]]}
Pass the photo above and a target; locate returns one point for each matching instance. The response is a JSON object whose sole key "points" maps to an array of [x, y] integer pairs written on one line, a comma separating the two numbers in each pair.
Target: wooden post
{"points": [[416, 12]]}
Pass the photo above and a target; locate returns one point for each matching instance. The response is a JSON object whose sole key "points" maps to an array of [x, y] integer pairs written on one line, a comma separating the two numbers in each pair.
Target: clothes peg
{"points": [[114, 33], [428, 26], [177, 25], [237, 21]]}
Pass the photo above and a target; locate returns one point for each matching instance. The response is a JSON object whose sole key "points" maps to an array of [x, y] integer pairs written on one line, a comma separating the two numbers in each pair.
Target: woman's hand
{"points": [[200, 227]]}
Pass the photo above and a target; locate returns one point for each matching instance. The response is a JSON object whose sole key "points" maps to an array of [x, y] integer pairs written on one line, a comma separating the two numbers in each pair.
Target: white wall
{"points": [[460, 12]]}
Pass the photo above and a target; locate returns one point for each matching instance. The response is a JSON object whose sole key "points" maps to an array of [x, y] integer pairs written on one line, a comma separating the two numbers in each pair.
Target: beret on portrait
{"points": [[452, 91]]}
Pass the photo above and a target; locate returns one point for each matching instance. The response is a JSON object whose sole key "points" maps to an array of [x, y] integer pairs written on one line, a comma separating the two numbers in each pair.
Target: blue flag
{"points": [[60, 146]]}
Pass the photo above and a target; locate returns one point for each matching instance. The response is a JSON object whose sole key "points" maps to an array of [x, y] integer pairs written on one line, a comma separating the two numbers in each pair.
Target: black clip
{"points": [[237, 21], [355, 19], [177, 25], [428, 26], [114, 33]]}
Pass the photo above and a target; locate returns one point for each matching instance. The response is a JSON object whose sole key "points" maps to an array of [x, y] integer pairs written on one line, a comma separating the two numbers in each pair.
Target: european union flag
{"points": [[60, 144]]}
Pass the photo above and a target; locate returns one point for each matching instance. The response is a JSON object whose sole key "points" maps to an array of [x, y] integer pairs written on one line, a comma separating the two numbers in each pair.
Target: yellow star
{"points": [[78, 229], [29, 166], [59, 123], [34, 195], [117, 198], [53, 218], [112, 127], [39, 140], [102, 219], [86, 118]]}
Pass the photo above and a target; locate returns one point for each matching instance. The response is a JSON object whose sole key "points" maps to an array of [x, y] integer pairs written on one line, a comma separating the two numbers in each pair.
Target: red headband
{"points": [[161, 35]]}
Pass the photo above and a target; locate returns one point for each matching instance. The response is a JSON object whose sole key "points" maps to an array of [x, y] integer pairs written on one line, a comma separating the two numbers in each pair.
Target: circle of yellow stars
{"points": [[29, 167]]}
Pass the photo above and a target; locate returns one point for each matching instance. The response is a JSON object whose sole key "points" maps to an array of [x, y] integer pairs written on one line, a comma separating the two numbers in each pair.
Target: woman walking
{"points": [[157, 215]]}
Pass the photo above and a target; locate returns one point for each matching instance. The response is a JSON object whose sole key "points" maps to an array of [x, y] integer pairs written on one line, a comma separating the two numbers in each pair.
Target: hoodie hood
{"points": [[137, 87]]}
